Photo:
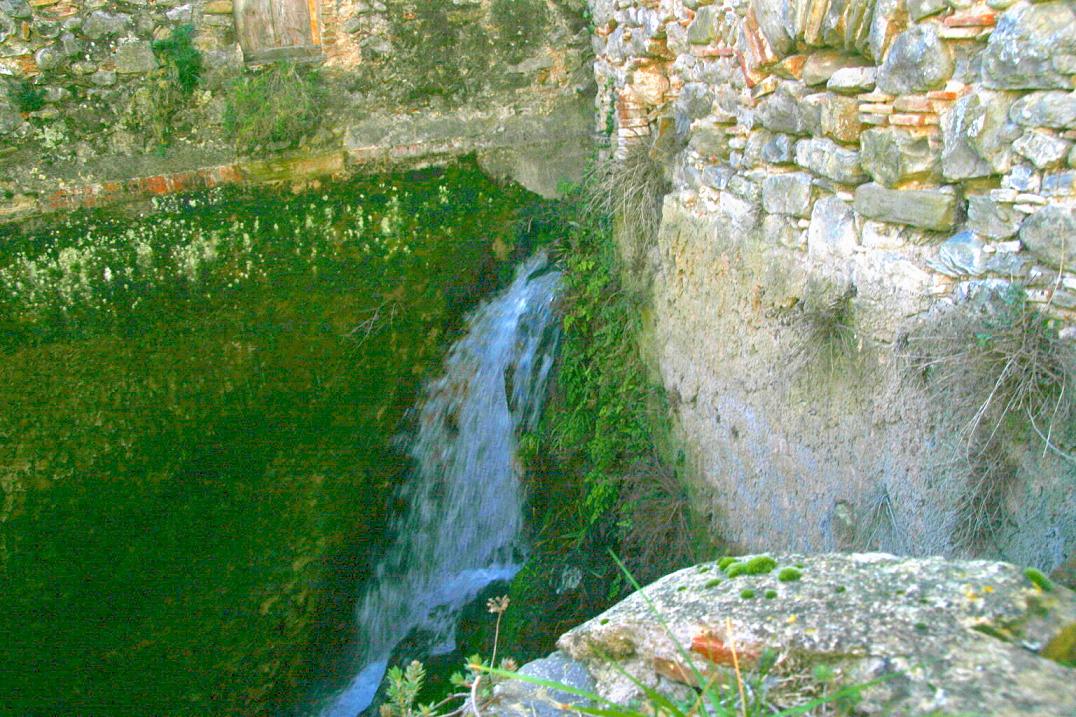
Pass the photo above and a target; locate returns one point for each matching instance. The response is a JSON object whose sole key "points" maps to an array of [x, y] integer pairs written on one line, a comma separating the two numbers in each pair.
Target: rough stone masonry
{"points": [[913, 154]]}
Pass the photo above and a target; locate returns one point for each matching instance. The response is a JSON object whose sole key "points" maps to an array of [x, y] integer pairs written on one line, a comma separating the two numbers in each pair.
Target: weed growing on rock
{"points": [[182, 59], [1004, 379], [26, 96], [274, 108], [747, 593], [829, 341], [1038, 579], [789, 575], [760, 565]]}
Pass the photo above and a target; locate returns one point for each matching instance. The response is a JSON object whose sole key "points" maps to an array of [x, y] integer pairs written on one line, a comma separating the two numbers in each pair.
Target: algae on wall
{"points": [[198, 410]]}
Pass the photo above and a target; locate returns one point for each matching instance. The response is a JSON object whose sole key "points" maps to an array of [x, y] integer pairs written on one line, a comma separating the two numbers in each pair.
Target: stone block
{"points": [[977, 136], [787, 194], [134, 57], [832, 233], [917, 61], [853, 80], [827, 159], [960, 255], [1044, 150], [1045, 109], [822, 64], [934, 209], [839, 117], [1033, 47], [992, 219], [101, 24], [703, 29], [893, 155], [1050, 234]]}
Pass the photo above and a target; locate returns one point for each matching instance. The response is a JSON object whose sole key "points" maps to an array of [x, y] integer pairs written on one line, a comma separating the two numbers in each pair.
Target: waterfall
{"points": [[460, 531]]}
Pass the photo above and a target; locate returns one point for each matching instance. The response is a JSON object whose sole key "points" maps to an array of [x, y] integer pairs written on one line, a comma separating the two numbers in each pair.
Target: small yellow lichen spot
{"points": [[988, 588], [971, 595], [792, 619]]}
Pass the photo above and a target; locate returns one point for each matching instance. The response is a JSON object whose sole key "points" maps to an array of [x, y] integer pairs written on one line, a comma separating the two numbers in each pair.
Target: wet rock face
{"points": [[943, 637]]}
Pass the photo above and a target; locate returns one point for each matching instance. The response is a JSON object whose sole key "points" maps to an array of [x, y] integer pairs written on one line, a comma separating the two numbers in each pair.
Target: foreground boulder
{"points": [[939, 637]]}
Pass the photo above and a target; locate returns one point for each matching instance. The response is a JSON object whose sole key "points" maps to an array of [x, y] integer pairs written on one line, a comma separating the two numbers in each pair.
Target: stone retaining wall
{"points": [[522, 73], [909, 154]]}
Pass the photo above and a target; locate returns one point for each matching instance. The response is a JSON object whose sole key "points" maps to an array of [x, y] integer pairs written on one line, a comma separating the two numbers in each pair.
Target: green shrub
{"points": [[273, 108], [736, 569], [181, 59], [26, 96], [789, 575], [1038, 579], [770, 594], [747, 593], [760, 565]]}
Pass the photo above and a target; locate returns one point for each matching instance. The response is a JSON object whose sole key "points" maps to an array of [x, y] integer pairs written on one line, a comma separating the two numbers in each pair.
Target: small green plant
{"points": [[760, 565], [726, 561], [273, 108], [1038, 579], [770, 594], [789, 575], [181, 59], [26, 96], [712, 583], [747, 593], [475, 685], [736, 569]]}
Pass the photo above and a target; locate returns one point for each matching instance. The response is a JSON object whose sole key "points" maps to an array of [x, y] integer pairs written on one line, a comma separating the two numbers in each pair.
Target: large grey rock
{"points": [[917, 61], [1033, 47], [694, 102], [918, 9], [134, 57], [1050, 234], [992, 219], [852, 80], [960, 255], [935, 634], [102, 24], [828, 159], [1044, 150], [891, 155], [977, 136], [517, 698], [822, 64], [1059, 184], [703, 29], [838, 116], [832, 233], [887, 20], [781, 111], [926, 208], [787, 194], [778, 150], [1045, 109], [771, 21]]}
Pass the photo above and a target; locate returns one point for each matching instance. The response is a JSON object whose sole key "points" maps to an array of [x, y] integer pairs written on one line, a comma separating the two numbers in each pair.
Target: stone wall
{"points": [[395, 92], [909, 154]]}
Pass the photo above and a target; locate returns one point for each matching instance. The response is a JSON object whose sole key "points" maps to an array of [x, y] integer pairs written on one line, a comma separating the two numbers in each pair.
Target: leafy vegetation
{"points": [[274, 107], [182, 60], [26, 96], [605, 471]]}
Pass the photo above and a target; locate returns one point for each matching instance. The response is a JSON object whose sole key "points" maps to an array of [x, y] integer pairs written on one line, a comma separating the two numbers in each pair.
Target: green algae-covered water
{"points": [[197, 413]]}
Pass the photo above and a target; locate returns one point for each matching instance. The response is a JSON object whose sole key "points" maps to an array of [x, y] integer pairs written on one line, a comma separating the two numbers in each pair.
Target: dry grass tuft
{"points": [[829, 341], [629, 189], [1003, 379], [658, 534]]}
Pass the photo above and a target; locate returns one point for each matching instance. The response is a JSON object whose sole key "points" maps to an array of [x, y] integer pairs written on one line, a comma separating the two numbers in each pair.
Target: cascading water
{"points": [[461, 529]]}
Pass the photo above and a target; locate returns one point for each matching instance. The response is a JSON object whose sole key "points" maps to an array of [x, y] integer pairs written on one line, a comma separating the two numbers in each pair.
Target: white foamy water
{"points": [[461, 529]]}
